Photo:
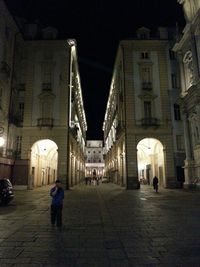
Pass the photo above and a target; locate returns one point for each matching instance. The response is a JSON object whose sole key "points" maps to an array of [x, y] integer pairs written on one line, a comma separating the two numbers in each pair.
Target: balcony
{"points": [[45, 122], [147, 86], [148, 122]]}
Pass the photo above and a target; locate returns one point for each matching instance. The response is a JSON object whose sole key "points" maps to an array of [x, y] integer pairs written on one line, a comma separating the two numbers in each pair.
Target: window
{"points": [[88, 152], [144, 55], [47, 73], [94, 152], [174, 80], [179, 142], [177, 113], [146, 78], [99, 161], [147, 109], [46, 107], [146, 74], [18, 144], [99, 151], [21, 111], [47, 76], [21, 87]]}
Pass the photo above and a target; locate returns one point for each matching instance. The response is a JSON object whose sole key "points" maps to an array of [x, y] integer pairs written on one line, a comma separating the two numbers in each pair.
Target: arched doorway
{"points": [[150, 158], [44, 161]]}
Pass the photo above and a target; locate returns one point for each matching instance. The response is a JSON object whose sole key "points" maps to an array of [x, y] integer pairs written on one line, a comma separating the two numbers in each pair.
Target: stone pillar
{"points": [[188, 168], [182, 73], [194, 59], [62, 173], [121, 169], [188, 151], [169, 171], [131, 163], [63, 167], [129, 114]]}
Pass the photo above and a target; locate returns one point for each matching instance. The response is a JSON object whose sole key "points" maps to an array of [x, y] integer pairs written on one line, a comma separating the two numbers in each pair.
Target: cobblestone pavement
{"points": [[103, 226]]}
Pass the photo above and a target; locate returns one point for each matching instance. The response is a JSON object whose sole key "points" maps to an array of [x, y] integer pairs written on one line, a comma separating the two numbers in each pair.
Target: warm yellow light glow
{"points": [[45, 146], [44, 161], [2, 141], [150, 158]]}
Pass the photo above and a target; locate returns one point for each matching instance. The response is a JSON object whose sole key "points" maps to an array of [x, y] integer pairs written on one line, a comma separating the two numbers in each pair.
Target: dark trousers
{"points": [[155, 187], [56, 215]]}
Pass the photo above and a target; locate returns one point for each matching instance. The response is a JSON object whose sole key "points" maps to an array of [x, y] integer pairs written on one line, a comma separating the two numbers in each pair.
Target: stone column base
{"points": [[171, 183], [190, 186], [189, 171], [132, 183]]}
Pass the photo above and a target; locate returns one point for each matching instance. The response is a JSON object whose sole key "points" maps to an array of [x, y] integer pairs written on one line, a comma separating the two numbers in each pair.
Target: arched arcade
{"points": [[43, 163], [150, 161]]}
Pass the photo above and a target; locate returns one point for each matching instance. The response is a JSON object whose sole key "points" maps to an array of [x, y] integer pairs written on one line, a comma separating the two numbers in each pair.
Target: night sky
{"points": [[98, 26]]}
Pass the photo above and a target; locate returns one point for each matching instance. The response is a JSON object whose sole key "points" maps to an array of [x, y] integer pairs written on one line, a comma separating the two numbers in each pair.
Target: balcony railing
{"points": [[45, 122], [146, 122], [147, 86]]}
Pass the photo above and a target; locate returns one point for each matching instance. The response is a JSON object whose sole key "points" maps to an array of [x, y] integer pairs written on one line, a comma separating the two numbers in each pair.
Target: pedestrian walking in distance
{"points": [[155, 183], [57, 194]]}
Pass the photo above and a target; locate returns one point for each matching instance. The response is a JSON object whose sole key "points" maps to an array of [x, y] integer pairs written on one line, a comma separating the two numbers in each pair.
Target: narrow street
{"points": [[103, 226]]}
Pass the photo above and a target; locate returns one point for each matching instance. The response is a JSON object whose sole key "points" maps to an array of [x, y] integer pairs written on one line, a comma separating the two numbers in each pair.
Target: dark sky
{"points": [[98, 25]]}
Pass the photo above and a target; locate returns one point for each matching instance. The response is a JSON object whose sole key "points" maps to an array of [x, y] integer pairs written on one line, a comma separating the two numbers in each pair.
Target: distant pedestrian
{"points": [[90, 180], [57, 194], [155, 183], [86, 180], [94, 180]]}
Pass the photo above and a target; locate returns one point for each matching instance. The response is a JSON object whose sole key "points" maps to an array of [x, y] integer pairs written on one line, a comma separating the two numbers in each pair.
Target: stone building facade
{"points": [[187, 49], [46, 127], [9, 34], [94, 155], [140, 140]]}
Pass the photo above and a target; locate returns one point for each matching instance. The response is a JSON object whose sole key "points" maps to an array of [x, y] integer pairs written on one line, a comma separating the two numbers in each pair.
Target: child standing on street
{"points": [[57, 194]]}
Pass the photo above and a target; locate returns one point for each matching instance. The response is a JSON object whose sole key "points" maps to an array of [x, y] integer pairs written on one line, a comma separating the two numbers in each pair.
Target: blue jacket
{"points": [[57, 200]]}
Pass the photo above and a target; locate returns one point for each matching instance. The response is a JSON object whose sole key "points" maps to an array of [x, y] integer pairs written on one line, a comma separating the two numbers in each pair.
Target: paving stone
{"points": [[104, 226]]}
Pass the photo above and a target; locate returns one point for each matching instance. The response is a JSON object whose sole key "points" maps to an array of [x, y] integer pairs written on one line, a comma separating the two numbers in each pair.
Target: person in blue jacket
{"points": [[57, 194]]}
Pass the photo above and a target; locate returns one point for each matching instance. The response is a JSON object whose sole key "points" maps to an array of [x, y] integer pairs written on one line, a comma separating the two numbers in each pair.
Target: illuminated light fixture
{"points": [[2, 141], [71, 42]]}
